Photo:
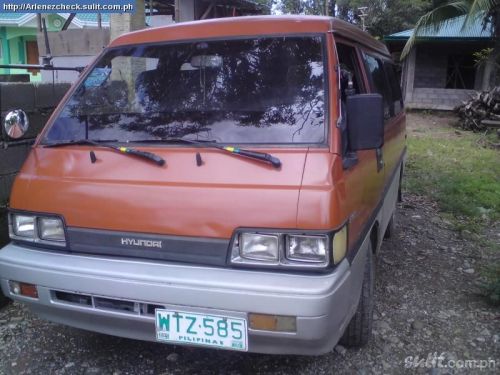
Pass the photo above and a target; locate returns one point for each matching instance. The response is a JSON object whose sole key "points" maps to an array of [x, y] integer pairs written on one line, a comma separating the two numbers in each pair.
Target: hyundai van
{"points": [[223, 183]]}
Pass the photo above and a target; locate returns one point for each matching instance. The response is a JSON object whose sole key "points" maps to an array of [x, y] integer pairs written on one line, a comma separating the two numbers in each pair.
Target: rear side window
{"points": [[348, 62], [383, 80], [375, 70], [349, 67], [396, 96]]}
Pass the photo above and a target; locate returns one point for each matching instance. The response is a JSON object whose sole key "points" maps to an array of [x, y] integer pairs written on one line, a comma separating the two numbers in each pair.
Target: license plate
{"points": [[182, 327]]}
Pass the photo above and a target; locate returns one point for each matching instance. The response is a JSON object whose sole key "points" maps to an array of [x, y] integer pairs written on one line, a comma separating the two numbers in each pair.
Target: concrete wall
{"points": [[186, 10], [425, 77], [121, 23], [38, 101], [430, 69], [440, 99], [75, 42], [71, 48]]}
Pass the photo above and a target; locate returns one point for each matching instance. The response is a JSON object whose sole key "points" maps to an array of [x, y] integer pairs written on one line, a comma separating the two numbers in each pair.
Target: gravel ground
{"points": [[427, 301]]}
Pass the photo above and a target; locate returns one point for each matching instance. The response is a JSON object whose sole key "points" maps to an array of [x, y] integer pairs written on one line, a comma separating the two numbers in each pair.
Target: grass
{"points": [[458, 172], [461, 173]]}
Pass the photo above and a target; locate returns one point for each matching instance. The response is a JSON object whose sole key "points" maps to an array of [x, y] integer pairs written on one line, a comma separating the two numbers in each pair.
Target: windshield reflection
{"points": [[267, 90]]}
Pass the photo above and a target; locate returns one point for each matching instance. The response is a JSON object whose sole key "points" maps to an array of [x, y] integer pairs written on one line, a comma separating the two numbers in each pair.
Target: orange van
{"points": [[223, 183]]}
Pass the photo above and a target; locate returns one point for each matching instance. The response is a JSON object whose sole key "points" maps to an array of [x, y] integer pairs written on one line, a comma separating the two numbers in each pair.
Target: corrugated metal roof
{"points": [[80, 20], [92, 17], [11, 16], [84, 18], [451, 29]]}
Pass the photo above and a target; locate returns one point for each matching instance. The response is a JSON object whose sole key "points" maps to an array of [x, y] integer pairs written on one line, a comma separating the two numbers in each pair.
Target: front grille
{"points": [[105, 304], [182, 249], [79, 299], [113, 304]]}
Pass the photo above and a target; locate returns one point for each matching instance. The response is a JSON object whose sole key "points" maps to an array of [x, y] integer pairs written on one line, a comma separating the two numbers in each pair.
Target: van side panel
{"points": [[393, 150], [364, 185], [394, 144]]}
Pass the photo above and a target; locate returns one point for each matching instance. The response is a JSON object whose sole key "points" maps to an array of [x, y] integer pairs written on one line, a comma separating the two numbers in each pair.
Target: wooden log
{"points": [[491, 123]]}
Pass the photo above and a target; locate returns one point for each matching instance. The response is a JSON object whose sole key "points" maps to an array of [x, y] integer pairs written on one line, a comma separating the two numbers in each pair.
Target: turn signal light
{"points": [[23, 289], [278, 323]]}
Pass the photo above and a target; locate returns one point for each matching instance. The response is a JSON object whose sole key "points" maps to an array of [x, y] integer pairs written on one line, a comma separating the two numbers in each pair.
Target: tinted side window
{"points": [[349, 65], [397, 97], [376, 74], [348, 61]]}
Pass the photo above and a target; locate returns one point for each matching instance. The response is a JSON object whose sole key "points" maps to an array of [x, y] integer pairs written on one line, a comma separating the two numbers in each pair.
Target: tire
{"points": [[391, 227], [359, 330]]}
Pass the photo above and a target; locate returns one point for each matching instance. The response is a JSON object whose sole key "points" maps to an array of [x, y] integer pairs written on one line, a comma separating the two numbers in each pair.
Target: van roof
{"points": [[248, 26]]}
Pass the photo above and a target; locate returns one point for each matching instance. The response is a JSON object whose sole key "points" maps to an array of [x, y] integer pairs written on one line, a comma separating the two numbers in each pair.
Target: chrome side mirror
{"points": [[16, 124]]}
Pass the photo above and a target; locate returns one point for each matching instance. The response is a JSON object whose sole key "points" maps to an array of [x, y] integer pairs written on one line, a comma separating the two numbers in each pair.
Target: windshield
{"points": [[265, 90]]}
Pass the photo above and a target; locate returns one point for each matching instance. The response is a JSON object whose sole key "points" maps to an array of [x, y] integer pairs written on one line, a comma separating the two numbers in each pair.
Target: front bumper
{"points": [[323, 304]]}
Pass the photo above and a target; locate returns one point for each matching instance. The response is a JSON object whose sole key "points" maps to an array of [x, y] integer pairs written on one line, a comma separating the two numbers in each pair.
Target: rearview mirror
{"points": [[16, 124], [206, 61], [365, 121]]}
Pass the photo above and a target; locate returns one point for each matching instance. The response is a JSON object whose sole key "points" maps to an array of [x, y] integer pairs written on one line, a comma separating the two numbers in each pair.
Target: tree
{"points": [[312, 7], [268, 5], [486, 11], [383, 17]]}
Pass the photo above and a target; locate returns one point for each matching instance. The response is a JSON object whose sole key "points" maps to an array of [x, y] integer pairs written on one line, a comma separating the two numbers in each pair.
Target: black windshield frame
{"points": [[326, 86]]}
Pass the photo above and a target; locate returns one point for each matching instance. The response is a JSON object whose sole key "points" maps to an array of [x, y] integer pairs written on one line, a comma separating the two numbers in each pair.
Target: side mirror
{"points": [[365, 121], [16, 124]]}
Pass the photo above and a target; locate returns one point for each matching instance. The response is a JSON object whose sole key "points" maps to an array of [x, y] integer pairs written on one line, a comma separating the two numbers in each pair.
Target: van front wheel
{"points": [[359, 330]]}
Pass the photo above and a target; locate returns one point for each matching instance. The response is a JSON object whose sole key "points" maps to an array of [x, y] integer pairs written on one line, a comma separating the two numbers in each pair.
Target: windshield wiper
{"points": [[102, 143], [261, 156]]}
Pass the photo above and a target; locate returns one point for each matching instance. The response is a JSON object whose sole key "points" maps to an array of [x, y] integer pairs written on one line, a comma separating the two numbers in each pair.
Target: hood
{"points": [[125, 193]]}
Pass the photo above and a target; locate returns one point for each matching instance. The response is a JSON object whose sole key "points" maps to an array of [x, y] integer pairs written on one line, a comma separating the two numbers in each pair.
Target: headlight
{"points": [[289, 250], [23, 226], [307, 249], [257, 248], [51, 229], [37, 229]]}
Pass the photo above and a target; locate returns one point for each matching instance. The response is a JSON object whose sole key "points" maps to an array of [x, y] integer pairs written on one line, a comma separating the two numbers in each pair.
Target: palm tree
{"points": [[488, 11]]}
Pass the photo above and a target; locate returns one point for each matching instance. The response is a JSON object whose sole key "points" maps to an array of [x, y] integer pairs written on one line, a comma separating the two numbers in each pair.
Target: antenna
{"points": [[363, 14], [47, 59]]}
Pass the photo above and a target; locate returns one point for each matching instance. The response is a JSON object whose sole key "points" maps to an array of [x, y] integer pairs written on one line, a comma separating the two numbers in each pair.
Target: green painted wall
{"points": [[50, 22], [5, 49], [14, 51], [13, 41], [13, 32]]}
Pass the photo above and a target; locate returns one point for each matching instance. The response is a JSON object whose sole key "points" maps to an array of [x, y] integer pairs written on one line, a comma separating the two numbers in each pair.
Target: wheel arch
{"points": [[374, 236]]}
